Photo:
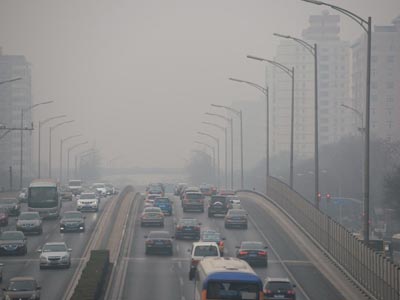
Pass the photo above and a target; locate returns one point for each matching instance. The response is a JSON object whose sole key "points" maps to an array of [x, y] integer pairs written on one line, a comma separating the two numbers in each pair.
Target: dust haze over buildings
{"points": [[137, 76]]}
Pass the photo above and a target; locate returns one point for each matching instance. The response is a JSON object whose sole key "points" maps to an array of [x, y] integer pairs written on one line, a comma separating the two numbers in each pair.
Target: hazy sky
{"points": [[137, 76]]}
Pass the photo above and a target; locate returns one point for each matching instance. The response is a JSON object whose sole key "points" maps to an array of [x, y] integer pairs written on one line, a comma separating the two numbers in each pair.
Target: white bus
{"points": [[226, 278], [44, 197]]}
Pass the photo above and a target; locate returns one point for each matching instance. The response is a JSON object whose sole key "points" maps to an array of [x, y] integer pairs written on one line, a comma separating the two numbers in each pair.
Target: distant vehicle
{"points": [[164, 203], [218, 205], [152, 216], [44, 197], [148, 203], [13, 243], [187, 228], [226, 278], [156, 188], [72, 221], [3, 217], [213, 236], [200, 250], [87, 202], [23, 195], [11, 205], [30, 222], [110, 189], [55, 255], [159, 242], [22, 288], [236, 218], [190, 189], [233, 202], [75, 186], [254, 253], [100, 188], [152, 196], [205, 189], [226, 192], [178, 188], [66, 193], [279, 288], [193, 201]]}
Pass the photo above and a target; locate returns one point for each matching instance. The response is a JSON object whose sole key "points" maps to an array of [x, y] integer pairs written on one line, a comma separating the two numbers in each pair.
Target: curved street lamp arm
{"points": [[219, 116], [205, 144], [310, 48], [237, 112], [51, 119], [215, 125], [257, 86], [59, 124], [209, 135], [276, 64]]}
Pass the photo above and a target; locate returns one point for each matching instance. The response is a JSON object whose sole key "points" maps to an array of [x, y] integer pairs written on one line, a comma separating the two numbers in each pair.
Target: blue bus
{"points": [[226, 278]]}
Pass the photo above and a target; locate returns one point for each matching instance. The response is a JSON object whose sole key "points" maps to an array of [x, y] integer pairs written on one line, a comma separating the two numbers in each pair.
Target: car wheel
{"points": [[245, 226], [69, 265], [210, 215]]}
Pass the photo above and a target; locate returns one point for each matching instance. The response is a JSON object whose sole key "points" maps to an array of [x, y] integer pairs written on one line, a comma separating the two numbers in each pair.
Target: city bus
{"points": [[226, 278], [44, 197]]}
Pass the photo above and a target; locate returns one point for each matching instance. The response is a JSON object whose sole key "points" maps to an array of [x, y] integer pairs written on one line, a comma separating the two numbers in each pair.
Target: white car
{"points": [[56, 255], [200, 250], [87, 202], [100, 188]]}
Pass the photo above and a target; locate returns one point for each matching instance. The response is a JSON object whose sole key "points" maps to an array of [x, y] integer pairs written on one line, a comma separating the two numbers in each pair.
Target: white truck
{"points": [[75, 186]]}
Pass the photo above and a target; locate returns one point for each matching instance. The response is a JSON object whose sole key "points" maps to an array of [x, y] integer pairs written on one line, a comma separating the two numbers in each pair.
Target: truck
{"points": [[75, 186]]}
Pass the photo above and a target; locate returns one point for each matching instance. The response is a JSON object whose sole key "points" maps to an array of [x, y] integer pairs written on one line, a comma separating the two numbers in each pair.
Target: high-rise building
{"points": [[14, 96], [385, 80], [333, 88]]}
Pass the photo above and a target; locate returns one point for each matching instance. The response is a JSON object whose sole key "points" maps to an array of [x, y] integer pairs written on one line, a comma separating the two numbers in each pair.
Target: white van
{"points": [[200, 250]]}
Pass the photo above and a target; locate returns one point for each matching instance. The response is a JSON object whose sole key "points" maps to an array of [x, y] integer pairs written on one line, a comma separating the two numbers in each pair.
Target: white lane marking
{"points": [[162, 258], [177, 247], [179, 264], [181, 281]]}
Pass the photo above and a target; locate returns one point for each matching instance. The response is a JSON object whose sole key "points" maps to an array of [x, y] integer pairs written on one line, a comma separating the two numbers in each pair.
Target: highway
{"points": [[54, 282], [164, 277]]}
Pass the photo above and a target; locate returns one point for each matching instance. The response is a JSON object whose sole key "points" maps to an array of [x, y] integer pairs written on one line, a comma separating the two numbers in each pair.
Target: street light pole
{"points": [[69, 150], [224, 129], [366, 24], [10, 80], [39, 137], [83, 153], [265, 91], [230, 120], [239, 114], [50, 133], [314, 52], [61, 151], [213, 152], [21, 160], [290, 73], [218, 165]]}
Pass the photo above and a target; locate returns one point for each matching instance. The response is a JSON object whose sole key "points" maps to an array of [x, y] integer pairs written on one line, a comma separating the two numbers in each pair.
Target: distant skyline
{"points": [[137, 76]]}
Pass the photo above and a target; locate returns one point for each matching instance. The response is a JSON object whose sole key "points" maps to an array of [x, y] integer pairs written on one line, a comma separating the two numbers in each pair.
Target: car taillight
{"points": [[195, 262], [263, 253], [168, 242], [267, 291], [149, 242], [243, 253], [178, 227], [221, 243], [290, 292]]}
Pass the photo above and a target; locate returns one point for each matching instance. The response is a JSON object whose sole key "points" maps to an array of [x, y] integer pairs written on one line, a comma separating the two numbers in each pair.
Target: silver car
{"points": [[29, 222], [55, 255]]}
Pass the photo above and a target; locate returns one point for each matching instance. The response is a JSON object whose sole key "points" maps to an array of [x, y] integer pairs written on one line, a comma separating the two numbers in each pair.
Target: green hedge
{"points": [[93, 278]]}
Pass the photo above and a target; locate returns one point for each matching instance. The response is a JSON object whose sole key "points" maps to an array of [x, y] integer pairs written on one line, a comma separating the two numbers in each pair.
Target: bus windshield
{"points": [[233, 290], [43, 197]]}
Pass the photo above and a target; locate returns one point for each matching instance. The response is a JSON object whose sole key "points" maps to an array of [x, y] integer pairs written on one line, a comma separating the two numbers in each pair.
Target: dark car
{"points": [[3, 217], [218, 205], [187, 228], [11, 205], [254, 253], [159, 242], [279, 288], [236, 218], [13, 243], [164, 203], [22, 288], [29, 222], [72, 221], [193, 201], [66, 194]]}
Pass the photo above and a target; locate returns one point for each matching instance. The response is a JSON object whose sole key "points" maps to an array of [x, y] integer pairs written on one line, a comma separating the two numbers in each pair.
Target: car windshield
{"points": [[8, 201], [161, 200], [237, 212], [232, 290], [211, 236], [159, 235], [188, 222], [54, 248], [206, 250], [73, 215], [278, 285], [87, 196], [152, 197], [43, 197], [252, 246], [194, 196], [152, 210], [218, 199], [29, 216], [22, 285], [11, 235]]}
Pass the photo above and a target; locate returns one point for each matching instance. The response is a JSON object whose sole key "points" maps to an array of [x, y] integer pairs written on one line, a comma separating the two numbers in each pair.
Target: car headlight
{"points": [[65, 257], [43, 259], [33, 297], [7, 297]]}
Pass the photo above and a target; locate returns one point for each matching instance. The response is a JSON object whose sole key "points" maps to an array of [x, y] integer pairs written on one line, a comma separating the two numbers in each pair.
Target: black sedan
{"points": [[159, 242], [253, 252], [72, 221], [13, 243], [187, 228], [11, 205]]}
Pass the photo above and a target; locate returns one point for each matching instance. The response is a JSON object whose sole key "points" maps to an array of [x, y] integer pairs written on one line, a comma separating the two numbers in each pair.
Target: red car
{"points": [[3, 218]]}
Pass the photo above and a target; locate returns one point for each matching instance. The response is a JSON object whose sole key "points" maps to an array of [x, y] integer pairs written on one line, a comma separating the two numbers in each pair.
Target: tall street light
{"points": [[366, 24], [265, 91], [217, 141], [224, 129], [80, 155], [239, 114], [61, 151], [50, 133], [39, 138], [29, 108], [213, 152], [290, 73], [230, 121], [313, 51], [69, 150]]}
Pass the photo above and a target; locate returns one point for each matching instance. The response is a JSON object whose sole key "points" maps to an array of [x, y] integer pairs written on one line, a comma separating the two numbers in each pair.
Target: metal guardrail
{"points": [[378, 276]]}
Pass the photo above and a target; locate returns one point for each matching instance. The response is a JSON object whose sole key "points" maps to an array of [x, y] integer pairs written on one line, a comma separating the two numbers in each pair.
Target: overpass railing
{"points": [[377, 275]]}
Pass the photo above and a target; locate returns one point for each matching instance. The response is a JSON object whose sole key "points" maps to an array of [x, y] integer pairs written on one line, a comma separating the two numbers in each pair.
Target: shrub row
{"points": [[93, 278]]}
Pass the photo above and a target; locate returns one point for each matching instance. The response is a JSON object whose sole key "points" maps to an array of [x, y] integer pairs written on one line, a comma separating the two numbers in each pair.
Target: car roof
{"points": [[29, 213], [22, 278], [234, 210], [195, 244], [277, 279], [55, 243]]}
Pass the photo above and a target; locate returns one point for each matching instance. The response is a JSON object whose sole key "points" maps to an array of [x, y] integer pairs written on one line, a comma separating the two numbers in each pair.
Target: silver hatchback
{"points": [[55, 255]]}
